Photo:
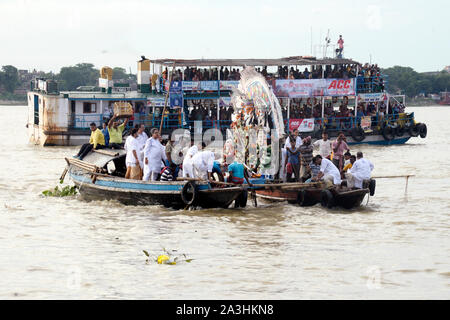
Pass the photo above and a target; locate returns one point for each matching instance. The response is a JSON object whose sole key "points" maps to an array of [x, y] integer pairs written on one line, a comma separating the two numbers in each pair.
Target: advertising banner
{"points": [[176, 100], [303, 125], [303, 88], [155, 102], [366, 123], [228, 85], [372, 97]]}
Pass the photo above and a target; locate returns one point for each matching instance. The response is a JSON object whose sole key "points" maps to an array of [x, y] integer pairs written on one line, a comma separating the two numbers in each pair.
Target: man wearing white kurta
{"points": [[328, 171], [132, 160], [203, 162], [360, 171], [298, 140], [142, 139], [153, 155], [188, 168]]}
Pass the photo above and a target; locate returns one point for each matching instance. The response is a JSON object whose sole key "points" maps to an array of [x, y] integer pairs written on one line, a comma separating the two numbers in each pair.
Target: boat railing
{"points": [[82, 121], [371, 84], [333, 125]]}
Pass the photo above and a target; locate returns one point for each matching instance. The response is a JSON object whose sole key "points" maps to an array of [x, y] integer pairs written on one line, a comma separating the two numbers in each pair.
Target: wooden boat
{"points": [[100, 176], [309, 194]]}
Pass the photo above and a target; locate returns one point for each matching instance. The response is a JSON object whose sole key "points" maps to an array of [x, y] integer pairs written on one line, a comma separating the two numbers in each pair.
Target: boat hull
{"points": [[135, 192]]}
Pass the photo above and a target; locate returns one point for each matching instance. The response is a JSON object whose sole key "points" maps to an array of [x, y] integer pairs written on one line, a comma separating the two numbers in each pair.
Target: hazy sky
{"points": [[48, 34]]}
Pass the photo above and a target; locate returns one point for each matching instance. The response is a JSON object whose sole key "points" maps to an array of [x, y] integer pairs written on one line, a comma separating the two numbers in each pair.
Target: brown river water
{"points": [[395, 247]]}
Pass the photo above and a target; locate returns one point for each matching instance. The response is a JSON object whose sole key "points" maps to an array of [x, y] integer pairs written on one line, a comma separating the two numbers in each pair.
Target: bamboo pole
{"points": [[105, 152], [167, 97]]}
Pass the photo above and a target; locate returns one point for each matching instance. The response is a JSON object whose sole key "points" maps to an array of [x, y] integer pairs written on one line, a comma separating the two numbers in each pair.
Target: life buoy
{"points": [[423, 130], [414, 130], [327, 199], [372, 184], [388, 133], [301, 198], [241, 201], [189, 193], [358, 134]]}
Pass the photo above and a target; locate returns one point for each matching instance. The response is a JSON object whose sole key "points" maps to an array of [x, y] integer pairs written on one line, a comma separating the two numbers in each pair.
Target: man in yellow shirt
{"points": [[97, 141], [115, 132]]}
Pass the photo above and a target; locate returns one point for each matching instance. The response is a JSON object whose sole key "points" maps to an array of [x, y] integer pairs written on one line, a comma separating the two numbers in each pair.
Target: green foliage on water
{"points": [[167, 257], [60, 191]]}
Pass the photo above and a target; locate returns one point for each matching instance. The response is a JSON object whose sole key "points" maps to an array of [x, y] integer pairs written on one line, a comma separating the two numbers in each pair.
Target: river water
{"points": [[396, 247]]}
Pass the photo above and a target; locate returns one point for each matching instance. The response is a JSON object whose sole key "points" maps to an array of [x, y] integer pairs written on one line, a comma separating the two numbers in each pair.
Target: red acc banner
{"points": [[303, 125], [303, 88]]}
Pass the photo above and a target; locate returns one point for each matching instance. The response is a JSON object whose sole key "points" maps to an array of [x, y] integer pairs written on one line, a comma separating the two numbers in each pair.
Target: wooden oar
{"points": [[399, 176]]}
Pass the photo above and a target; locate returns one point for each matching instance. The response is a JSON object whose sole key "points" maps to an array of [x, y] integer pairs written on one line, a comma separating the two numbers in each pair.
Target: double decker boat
{"points": [[329, 94]]}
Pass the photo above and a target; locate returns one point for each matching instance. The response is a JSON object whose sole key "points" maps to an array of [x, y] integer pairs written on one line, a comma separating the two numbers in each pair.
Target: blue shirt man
{"points": [[236, 170], [106, 134]]}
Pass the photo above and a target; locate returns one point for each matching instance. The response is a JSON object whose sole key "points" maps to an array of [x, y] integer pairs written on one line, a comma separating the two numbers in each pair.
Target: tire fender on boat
{"points": [[388, 133], [327, 199], [358, 134], [414, 130], [189, 193], [400, 131], [423, 130]]}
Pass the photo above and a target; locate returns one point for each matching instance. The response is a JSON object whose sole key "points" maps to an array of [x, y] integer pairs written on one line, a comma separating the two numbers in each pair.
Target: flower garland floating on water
{"points": [[166, 258]]}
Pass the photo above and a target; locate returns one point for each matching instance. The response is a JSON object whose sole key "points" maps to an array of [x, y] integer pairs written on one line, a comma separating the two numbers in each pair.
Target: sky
{"points": [[50, 34]]}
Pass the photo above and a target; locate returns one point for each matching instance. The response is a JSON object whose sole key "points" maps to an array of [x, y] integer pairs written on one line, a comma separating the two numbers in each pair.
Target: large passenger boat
{"points": [[331, 94]]}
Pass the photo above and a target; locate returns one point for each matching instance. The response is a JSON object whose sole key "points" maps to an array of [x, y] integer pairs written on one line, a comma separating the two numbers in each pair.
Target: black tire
{"points": [[358, 134], [327, 199], [400, 131], [388, 133], [241, 201], [423, 130], [414, 130], [372, 185], [189, 193], [301, 198]]}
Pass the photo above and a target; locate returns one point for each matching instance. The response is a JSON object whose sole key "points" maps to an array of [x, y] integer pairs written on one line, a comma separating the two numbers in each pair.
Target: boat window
{"points": [[89, 107]]}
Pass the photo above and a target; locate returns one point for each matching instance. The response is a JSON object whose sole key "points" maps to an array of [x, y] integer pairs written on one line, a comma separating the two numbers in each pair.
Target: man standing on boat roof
{"points": [[97, 141], [341, 46], [115, 132], [359, 172], [328, 171], [153, 156]]}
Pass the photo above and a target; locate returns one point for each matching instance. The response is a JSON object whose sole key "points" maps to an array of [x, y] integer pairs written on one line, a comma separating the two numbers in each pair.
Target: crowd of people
{"points": [[332, 163], [150, 158]]}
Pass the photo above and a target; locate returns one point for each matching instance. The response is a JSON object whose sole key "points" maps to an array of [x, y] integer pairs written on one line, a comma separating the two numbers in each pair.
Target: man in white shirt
{"points": [[328, 171], [153, 155], [203, 162], [324, 146], [298, 140], [188, 168], [132, 160], [360, 171]]}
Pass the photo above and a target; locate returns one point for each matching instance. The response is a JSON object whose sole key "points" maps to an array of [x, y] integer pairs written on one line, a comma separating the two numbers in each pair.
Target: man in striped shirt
{"points": [[168, 172]]}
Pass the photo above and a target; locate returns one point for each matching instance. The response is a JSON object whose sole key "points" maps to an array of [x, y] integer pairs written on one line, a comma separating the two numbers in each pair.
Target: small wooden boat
{"points": [[100, 176], [309, 194]]}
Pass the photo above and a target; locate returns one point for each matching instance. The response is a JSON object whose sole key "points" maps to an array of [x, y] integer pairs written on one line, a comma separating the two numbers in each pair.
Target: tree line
{"points": [[404, 80], [69, 78]]}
